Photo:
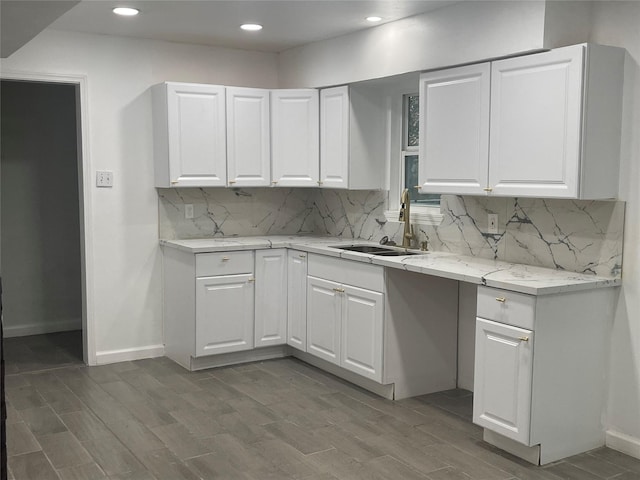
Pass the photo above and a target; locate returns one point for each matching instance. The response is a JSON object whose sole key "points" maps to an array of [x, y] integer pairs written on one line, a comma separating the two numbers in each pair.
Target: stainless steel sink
{"points": [[378, 250]]}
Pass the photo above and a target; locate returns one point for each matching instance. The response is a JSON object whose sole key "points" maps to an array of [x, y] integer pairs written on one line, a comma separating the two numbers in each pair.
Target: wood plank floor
{"points": [[280, 419]]}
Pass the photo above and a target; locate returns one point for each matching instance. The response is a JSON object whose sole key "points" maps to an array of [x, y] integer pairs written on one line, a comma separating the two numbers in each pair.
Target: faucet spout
{"points": [[405, 216]]}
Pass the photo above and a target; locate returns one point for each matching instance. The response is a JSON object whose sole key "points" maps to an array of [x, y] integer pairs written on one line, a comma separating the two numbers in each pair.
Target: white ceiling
{"points": [[287, 23]]}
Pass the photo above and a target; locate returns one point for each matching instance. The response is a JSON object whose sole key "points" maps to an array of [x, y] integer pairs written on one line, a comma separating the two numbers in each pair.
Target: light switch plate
{"points": [[104, 179]]}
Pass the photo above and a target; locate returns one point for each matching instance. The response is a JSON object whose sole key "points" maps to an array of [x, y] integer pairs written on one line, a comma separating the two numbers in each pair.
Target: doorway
{"points": [[40, 224]]}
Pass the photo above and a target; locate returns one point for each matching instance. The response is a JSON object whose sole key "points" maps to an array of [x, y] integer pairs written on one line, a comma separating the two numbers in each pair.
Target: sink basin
{"points": [[378, 250]]}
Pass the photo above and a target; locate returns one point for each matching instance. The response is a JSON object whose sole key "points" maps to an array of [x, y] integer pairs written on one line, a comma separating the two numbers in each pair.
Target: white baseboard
{"points": [[40, 328], [623, 443], [128, 354]]}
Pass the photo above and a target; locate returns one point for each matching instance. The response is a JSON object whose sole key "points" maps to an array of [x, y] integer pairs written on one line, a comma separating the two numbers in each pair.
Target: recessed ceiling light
{"points": [[251, 27], [126, 11], [373, 19]]}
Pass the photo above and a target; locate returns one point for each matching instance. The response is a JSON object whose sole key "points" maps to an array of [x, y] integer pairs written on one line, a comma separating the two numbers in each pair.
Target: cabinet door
{"points": [[502, 379], [248, 137], [334, 137], [271, 297], [196, 135], [362, 327], [536, 104], [295, 147], [454, 130], [297, 300], [224, 314], [323, 319]]}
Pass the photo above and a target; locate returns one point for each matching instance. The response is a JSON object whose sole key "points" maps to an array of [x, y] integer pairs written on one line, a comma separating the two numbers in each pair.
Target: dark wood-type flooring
{"points": [[279, 419]]}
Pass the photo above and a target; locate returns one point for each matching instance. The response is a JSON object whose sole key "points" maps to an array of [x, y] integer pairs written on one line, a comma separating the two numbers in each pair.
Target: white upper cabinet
{"points": [[295, 147], [353, 133], [189, 135], [248, 137], [454, 130], [553, 129]]}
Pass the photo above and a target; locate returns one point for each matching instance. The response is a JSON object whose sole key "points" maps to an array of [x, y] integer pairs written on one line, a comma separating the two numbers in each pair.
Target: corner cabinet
{"points": [[297, 299], [271, 297], [353, 132], [190, 148], [248, 137], [548, 126], [295, 148], [540, 371]]}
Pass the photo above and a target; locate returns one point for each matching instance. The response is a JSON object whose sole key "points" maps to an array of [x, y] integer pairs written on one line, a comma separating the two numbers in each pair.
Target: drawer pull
{"points": [[523, 339], [339, 290], [488, 189], [501, 299], [225, 259], [251, 280], [302, 256]]}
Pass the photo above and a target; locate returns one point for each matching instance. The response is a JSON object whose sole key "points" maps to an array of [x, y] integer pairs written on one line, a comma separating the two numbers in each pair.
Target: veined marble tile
{"points": [[464, 227], [223, 212], [576, 235]]}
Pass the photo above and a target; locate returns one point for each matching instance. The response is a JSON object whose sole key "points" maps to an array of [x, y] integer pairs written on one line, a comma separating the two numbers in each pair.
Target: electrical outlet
{"points": [[104, 179], [188, 210], [493, 223]]}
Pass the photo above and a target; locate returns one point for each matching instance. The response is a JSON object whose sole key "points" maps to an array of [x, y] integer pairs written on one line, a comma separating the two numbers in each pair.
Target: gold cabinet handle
{"points": [[225, 259], [274, 182], [319, 182], [231, 182], [488, 189], [523, 339], [302, 256], [339, 290], [173, 182], [418, 186], [501, 299], [251, 280]]}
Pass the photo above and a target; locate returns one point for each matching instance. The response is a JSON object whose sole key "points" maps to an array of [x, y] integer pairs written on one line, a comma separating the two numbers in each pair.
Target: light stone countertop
{"points": [[509, 276]]}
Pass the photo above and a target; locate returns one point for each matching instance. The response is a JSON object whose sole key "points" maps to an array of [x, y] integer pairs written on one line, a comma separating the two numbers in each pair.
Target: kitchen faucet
{"points": [[405, 216]]}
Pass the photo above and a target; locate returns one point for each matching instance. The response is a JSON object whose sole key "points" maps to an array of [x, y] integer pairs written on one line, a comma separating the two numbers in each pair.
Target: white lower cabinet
{"points": [[502, 383], [297, 299], [324, 315], [271, 297], [224, 314], [540, 371], [345, 322], [362, 326]]}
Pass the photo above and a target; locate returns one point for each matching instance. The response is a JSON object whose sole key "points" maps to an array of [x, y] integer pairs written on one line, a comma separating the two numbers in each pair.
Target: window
{"points": [[425, 207]]}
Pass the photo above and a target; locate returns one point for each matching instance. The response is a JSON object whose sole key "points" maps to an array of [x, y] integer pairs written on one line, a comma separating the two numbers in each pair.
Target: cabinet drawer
{"points": [[223, 263], [503, 306], [348, 272]]}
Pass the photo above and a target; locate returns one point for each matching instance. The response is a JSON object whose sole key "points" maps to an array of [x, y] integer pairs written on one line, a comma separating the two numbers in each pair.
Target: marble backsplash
{"points": [[579, 236]]}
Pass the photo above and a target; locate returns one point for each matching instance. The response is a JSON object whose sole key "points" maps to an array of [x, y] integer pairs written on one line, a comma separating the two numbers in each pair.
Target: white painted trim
{"points": [[86, 216], [623, 443], [40, 328], [427, 216], [128, 354]]}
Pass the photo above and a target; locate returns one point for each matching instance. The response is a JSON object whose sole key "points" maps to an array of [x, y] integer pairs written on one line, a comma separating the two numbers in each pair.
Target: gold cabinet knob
{"points": [[523, 339], [231, 182], [488, 189], [339, 290], [251, 280], [274, 182], [501, 299], [302, 256], [418, 186], [225, 259], [173, 182]]}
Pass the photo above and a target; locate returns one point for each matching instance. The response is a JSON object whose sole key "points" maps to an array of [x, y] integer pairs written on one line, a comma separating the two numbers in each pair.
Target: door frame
{"points": [[85, 204]]}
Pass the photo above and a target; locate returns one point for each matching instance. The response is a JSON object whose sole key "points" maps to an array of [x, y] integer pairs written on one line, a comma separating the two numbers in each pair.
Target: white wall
{"points": [[127, 285], [616, 23], [40, 218], [460, 33]]}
